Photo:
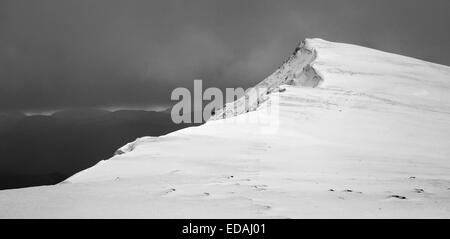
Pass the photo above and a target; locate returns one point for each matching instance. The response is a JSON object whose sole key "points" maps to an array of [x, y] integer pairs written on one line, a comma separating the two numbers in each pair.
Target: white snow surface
{"points": [[358, 133]]}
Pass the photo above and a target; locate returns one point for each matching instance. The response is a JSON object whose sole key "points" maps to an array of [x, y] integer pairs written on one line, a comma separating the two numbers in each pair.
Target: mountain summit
{"points": [[355, 132]]}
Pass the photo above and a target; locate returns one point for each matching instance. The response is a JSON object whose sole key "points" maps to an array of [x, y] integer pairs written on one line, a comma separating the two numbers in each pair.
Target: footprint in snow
{"points": [[260, 187], [398, 197], [263, 207], [171, 190], [351, 191]]}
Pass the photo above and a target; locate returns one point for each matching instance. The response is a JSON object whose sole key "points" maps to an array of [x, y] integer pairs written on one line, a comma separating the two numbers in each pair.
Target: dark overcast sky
{"points": [[62, 53]]}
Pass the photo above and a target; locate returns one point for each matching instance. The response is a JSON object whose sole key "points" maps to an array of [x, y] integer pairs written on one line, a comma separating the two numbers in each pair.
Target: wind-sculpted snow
{"points": [[297, 70], [356, 132], [131, 146]]}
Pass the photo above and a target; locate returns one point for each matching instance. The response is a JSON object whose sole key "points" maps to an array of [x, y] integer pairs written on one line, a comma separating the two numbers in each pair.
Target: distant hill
{"points": [[42, 150]]}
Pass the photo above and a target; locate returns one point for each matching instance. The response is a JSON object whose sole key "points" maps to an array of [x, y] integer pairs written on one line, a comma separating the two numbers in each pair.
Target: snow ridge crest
{"points": [[297, 70]]}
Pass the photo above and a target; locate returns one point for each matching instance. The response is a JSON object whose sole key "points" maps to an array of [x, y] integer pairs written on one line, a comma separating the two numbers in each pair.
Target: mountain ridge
{"points": [[371, 140]]}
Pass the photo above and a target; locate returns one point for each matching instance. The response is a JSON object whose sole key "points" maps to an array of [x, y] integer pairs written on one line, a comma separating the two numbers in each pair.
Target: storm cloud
{"points": [[105, 53]]}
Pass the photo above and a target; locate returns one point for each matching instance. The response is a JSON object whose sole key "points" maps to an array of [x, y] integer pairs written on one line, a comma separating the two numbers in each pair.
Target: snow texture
{"points": [[342, 131]]}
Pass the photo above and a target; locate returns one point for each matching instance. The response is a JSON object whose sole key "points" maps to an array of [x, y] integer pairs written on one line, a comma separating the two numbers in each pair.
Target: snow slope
{"points": [[356, 133]]}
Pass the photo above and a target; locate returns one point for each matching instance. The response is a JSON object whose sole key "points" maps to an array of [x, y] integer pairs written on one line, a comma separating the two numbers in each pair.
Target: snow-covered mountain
{"points": [[341, 131]]}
